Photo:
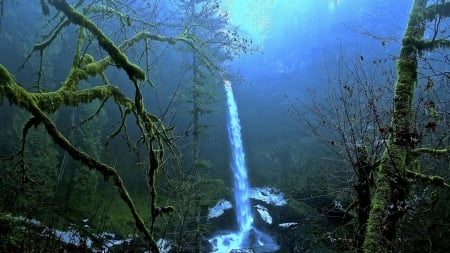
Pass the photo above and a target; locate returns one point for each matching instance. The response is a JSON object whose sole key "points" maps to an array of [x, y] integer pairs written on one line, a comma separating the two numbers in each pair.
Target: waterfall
{"points": [[241, 188], [246, 236]]}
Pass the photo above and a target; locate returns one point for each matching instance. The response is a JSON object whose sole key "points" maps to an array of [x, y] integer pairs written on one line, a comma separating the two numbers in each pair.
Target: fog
{"points": [[291, 53], [300, 46]]}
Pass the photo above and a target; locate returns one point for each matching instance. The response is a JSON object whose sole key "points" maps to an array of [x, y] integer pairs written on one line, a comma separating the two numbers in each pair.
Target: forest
{"points": [[114, 126]]}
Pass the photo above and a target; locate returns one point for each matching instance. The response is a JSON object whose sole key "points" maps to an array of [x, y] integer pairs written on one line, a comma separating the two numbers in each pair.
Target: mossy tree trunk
{"points": [[392, 185], [363, 188]]}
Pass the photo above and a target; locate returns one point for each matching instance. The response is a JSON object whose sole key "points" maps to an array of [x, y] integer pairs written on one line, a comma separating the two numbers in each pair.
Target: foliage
{"points": [[186, 186], [84, 187], [395, 151], [221, 42], [353, 123], [28, 178], [89, 63], [389, 201], [74, 94], [426, 225], [18, 235], [79, 184]]}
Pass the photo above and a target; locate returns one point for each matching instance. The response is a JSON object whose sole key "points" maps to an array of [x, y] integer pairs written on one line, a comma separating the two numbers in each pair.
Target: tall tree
{"points": [[393, 148], [205, 70], [399, 163], [352, 120], [221, 43]]}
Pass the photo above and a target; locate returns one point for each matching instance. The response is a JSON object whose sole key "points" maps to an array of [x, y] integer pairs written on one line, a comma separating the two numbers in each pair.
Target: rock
{"points": [[247, 250]]}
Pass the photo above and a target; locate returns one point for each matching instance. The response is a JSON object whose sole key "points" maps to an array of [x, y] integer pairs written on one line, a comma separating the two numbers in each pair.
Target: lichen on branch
{"points": [[39, 103], [380, 226], [434, 180], [133, 71], [431, 151]]}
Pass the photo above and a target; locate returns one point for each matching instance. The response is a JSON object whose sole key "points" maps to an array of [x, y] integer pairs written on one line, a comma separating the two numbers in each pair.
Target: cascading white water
{"points": [[241, 186], [246, 236]]}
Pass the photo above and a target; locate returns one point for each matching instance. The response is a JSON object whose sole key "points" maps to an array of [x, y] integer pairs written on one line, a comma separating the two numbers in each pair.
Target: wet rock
{"points": [[247, 250]]}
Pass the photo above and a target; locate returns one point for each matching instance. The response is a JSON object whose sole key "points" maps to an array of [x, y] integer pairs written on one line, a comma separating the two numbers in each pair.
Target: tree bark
{"points": [[391, 187]]}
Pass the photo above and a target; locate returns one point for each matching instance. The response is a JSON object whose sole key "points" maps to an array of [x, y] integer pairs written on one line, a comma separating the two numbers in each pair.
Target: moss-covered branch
{"points": [[429, 45], [154, 135], [431, 151], [37, 103], [434, 180], [106, 170], [120, 59], [392, 186], [49, 102], [407, 67], [442, 9], [96, 67]]}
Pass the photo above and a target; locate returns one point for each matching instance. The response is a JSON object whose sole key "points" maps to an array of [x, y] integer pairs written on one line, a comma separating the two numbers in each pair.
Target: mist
{"points": [[126, 125]]}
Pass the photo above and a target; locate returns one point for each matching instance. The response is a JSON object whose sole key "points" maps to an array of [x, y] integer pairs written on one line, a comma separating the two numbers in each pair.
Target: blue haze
{"points": [[301, 45]]}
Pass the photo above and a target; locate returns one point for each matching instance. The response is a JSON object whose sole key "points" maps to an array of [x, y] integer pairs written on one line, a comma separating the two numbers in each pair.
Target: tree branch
{"points": [[429, 45], [431, 151], [133, 71], [32, 102], [435, 180], [442, 9]]}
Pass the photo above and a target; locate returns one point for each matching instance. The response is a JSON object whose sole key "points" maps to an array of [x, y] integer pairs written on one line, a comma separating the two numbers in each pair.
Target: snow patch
{"points": [[289, 225], [219, 208], [268, 195], [164, 246], [264, 212]]}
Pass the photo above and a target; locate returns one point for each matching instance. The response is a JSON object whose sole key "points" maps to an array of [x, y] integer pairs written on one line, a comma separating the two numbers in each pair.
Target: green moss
{"points": [[73, 79], [52, 101], [441, 8], [96, 68], [15, 93], [87, 59], [5, 77], [431, 151], [134, 72], [394, 159], [374, 242], [435, 180], [37, 103]]}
